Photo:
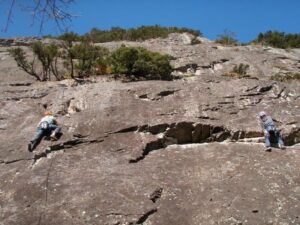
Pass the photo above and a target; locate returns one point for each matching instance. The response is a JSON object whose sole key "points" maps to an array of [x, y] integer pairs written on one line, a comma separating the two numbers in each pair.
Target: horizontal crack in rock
{"points": [[151, 146], [190, 132], [252, 94], [14, 161], [183, 133], [158, 96], [207, 118], [166, 93], [20, 84], [251, 89], [65, 145], [265, 88], [145, 216], [126, 130], [39, 96]]}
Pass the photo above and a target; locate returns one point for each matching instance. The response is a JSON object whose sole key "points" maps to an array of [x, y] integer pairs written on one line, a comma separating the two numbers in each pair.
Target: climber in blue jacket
{"points": [[46, 127], [269, 128]]}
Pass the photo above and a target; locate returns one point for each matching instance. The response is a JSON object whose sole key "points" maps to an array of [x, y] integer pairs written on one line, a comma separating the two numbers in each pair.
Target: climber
{"points": [[47, 127], [270, 131]]}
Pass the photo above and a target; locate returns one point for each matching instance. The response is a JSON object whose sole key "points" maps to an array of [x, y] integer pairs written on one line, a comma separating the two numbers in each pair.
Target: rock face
{"points": [[20, 41], [214, 59], [187, 151]]}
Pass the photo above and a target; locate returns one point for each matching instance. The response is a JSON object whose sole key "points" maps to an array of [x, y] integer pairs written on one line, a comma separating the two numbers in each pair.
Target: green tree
{"points": [[123, 59], [141, 63], [47, 55], [136, 34], [278, 39], [87, 56], [28, 66], [69, 55]]}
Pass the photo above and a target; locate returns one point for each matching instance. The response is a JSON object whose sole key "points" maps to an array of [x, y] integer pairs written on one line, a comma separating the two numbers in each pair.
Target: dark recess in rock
{"points": [[265, 88], [143, 219], [166, 93], [20, 84], [156, 194]]}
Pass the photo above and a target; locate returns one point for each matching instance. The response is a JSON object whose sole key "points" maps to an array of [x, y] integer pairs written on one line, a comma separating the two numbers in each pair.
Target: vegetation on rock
{"points": [[227, 38], [141, 63], [82, 59], [286, 77], [28, 66], [134, 34], [88, 56], [278, 39], [241, 69], [47, 56]]}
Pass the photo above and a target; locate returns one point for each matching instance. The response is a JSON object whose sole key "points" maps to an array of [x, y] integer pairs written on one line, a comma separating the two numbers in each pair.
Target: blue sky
{"points": [[246, 18]]}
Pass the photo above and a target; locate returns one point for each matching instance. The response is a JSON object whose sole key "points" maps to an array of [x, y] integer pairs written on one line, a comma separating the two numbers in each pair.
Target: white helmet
{"points": [[262, 114]]}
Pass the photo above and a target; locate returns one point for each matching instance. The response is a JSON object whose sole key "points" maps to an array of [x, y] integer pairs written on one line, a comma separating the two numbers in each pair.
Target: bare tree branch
{"points": [[9, 17], [45, 10]]}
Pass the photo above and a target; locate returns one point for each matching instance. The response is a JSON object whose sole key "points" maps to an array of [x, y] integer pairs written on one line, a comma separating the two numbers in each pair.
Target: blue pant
{"points": [[40, 133], [277, 136]]}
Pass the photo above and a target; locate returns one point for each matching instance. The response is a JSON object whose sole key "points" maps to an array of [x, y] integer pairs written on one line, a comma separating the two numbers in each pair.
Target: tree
{"points": [[227, 38], [20, 57], [136, 34], [55, 10], [141, 63], [123, 59], [278, 39], [47, 55], [87, 56], [69, 38]]}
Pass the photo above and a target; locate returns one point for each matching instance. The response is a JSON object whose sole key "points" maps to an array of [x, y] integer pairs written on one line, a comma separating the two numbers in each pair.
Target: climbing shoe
{"points": [[268, 149], [29, 147], [53, 137]]}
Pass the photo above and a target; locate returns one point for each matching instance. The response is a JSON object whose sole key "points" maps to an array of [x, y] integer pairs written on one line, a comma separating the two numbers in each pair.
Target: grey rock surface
{"points": [[178, 152], [212, 58]]}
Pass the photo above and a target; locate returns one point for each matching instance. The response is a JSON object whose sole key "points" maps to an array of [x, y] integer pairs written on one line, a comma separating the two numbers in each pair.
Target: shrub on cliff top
{"points": [[227, 38], [279, 39], [141, 63], [136, 34], [87, 55]]}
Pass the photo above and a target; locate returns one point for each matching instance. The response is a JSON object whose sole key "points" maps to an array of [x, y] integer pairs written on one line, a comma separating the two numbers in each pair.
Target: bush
{"points": [[136, 34], [227, 38], [20, 57], [47, 56], [241, 69], [141, 63], [286, 77], [86, 59], [195, 41], [69, 38], [88, 56], [278, 39]]}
